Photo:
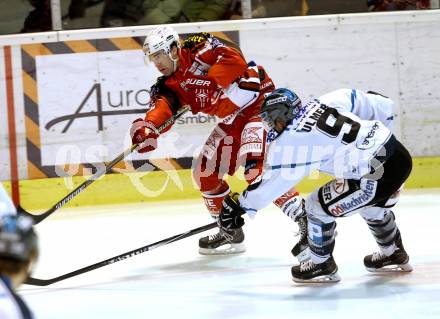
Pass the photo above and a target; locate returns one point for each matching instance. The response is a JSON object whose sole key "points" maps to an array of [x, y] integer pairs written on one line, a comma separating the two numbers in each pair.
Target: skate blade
{"points": [[326, 279], [228, 249], [392, 268]]}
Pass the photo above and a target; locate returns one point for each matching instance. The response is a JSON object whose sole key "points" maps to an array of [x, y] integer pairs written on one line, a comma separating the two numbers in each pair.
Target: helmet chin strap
{"points": [[174, 61], [174, 64]]}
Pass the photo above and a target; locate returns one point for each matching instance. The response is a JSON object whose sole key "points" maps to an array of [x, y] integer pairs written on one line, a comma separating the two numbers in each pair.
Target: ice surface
{"points": [[174, 281]]}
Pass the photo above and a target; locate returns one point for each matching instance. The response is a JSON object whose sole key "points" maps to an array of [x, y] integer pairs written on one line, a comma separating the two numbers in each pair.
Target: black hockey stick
{"points": [[38, 218], [46, 282]]}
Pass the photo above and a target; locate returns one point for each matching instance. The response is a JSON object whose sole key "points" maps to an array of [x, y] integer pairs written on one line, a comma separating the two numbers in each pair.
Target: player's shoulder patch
{"points": [[197, 41]]}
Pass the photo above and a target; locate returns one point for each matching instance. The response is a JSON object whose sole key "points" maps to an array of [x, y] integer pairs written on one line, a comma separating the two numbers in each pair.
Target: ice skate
{"points": [[301, 249], [223, 243], [309, 272], [397, 262]]}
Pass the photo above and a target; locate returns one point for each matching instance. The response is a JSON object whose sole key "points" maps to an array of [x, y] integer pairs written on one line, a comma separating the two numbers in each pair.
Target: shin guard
{"points": [[213, 202]]}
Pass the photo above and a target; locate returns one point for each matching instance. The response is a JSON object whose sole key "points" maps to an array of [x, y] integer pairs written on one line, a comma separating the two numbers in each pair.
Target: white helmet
{"points": [[160, 38]]}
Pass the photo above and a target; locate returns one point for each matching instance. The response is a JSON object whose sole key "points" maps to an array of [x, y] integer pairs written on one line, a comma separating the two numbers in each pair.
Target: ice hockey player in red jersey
{"points": [[215, 79]]}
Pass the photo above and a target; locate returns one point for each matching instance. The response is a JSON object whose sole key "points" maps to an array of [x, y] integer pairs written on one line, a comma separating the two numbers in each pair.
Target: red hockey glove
{"points": [[201, 89], [145, 135], [230, 215]]}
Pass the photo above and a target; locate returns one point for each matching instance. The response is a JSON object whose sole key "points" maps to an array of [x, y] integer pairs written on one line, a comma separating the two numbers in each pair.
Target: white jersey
{"points": [[365, 105], [6, 205], [330, 139], [11, 305]]}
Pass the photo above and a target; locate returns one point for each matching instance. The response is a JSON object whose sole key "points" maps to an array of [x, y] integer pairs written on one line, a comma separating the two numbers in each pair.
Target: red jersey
{"points": [[239, 85]]}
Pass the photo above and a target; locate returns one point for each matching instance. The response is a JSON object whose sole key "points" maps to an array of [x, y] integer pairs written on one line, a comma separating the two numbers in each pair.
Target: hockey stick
{"points": [[46, 282], [38, 218]]}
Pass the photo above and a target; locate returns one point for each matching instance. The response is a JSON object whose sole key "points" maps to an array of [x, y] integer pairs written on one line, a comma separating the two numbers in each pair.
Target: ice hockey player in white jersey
{"points": [[18, 252], [6, 205], [367, 106], [369, 164]]}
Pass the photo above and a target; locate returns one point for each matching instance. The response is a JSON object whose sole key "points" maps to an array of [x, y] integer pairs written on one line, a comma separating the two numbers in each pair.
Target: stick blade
{"points": [[35, 218], [22, 211], [38, 282]]}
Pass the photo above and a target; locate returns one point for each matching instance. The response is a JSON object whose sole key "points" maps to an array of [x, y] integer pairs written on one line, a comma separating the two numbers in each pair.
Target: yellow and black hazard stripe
{"points": [[29, 52]]}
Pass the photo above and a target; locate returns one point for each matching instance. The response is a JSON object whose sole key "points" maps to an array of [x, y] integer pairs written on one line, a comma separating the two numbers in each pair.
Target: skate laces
{"points": [[306, 266], [377, 256], [221, 234], [226, 235], [302, 228], [214, 237]]}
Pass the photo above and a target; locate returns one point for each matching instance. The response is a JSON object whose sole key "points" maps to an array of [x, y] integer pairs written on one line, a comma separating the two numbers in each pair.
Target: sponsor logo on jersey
{"points": [[265, 85], [198, 82], [251, 140], [228, 119], [355, 200], [339, 186], [370, 136], [213, 142], [251, 135], [311, 119], [326, 193], [202, 95], [333, 189]]}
